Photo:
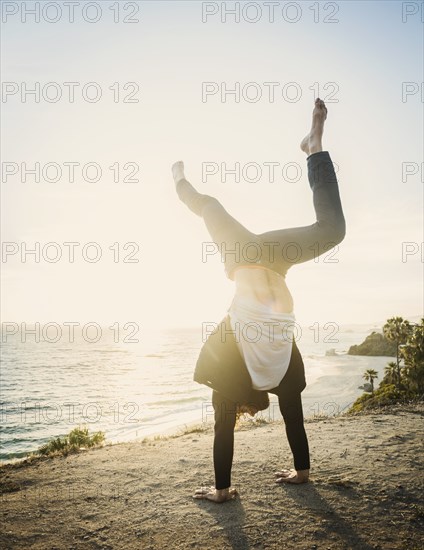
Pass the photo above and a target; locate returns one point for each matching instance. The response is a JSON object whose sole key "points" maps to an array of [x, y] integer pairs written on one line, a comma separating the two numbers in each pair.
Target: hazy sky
{"points": [[366, 62]]}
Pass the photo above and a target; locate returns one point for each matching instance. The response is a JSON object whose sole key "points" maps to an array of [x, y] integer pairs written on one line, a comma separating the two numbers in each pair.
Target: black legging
{"points": [[290, 403], [279, 249]]}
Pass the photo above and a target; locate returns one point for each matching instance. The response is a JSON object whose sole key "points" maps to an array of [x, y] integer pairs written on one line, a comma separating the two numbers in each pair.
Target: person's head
{"points": [[248, 408]]}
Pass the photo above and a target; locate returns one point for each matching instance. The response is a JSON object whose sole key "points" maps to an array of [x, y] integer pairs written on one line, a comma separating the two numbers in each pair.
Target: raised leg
{"points": [[300, 244], [229, 235], [281, 247], [186, 192]]}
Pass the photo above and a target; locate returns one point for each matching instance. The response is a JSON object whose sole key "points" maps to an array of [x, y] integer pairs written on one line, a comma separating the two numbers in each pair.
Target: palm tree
{"points": [[413, 356], [397, 330], [369, 376], [391, 373]]}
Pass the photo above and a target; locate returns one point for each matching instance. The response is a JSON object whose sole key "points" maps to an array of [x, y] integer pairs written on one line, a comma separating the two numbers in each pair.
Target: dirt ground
{"points": [[365, 491]]}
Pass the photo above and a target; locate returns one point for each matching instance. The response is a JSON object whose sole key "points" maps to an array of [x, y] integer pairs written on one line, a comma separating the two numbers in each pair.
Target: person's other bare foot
{"points": [[216, 495], [292, 476], [312, 143], [304, 144], [178, 171]]}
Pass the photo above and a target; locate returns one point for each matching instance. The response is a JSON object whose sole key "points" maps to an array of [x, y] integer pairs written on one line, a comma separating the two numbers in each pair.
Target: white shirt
{"points": [[264, 338]]}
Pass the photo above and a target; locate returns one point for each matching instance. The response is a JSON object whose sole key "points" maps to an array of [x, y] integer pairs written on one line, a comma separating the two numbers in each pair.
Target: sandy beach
{"points": [[365, 491]]}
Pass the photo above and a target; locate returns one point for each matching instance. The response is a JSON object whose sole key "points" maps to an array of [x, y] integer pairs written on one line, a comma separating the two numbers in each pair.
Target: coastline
{"points": [[332, 386], [127, 410], [365, 490]]}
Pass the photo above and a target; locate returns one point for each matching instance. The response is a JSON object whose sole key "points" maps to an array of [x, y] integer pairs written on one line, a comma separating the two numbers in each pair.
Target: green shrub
{"points": [[77, 439], [385, 395]]}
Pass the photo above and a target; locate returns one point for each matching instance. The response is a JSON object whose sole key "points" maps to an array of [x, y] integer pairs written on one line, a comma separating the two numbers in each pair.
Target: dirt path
{"points": [[365, 491]]}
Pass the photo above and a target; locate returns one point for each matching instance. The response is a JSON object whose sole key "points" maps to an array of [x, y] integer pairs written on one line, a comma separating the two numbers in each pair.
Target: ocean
{"points": [[134, 390]]}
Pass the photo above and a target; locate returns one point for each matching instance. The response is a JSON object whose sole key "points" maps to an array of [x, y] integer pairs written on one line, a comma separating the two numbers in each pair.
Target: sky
{"points": [[140, 104]]}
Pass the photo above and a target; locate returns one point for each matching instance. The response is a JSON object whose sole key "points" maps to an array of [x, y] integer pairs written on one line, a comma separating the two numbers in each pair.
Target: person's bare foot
{"points": [[215, 495], [178, 171], [312, 143], [292, 476]]}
